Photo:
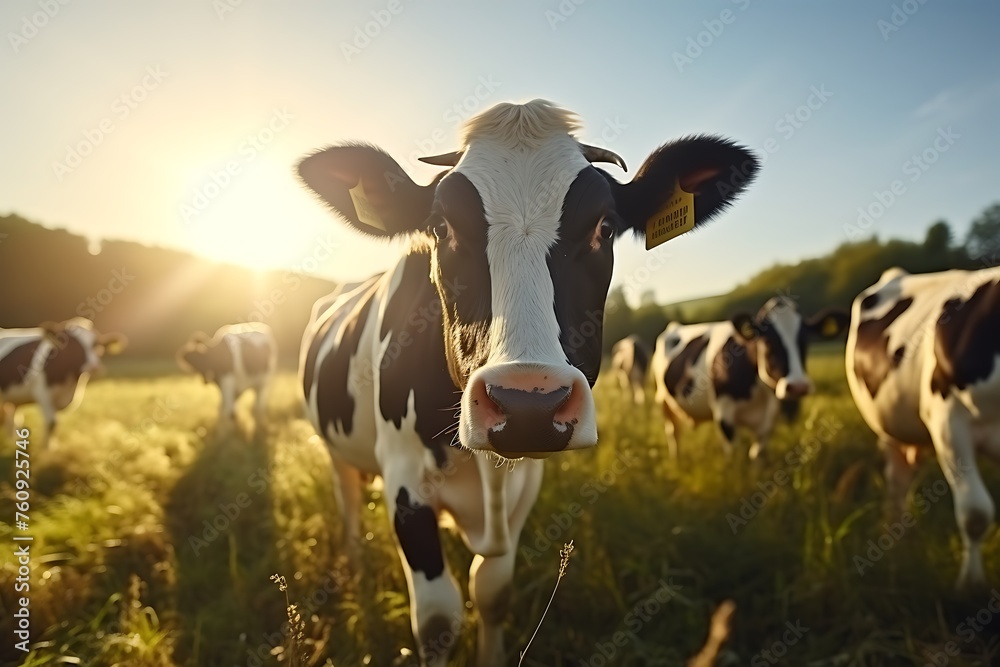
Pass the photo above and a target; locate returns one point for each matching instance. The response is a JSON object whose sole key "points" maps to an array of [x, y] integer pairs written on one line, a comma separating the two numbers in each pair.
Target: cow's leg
{"points": [[347, 488], [672, 427], [44, 400], [639, 390], [227, 408], [490, 578], [898, 476], [623, 381], [435, 600], [8, 413], [724, 414], [949, 427], [763, 429], [260, 405]]}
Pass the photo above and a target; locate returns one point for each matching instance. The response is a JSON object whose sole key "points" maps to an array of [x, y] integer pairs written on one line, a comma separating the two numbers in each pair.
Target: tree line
{"points": [[158, 297], [155, 296], [832, 280]]}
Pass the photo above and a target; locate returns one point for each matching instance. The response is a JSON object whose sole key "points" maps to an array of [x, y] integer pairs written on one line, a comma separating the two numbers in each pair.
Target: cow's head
{"points": [[782, 337], [521, 232], [198, 355], [78, 347]]}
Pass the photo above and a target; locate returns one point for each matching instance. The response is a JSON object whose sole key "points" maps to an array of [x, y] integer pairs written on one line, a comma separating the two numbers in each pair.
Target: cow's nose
{"points": [[797, 389], [531, 410]]}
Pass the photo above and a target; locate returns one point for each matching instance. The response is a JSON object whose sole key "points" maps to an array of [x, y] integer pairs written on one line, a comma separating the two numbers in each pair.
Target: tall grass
{"points": [[120, 576]]}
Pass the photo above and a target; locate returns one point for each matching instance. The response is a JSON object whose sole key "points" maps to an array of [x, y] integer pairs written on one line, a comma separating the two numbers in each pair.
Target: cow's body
{"points": [[377, 388], [49, 366], [468, 351], [736, 378], [923, 364], [630, 359], [238, 358]]}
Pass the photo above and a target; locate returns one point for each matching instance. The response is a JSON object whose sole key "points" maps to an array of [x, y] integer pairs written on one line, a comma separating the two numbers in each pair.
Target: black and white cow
{"points": [[473, 338], [739, 372], [50, 365], [239, 357], [630, 362], [923, 364]]}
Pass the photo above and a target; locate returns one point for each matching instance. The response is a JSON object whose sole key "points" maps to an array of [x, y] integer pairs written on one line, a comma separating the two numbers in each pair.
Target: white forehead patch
{"points": [[786, 320], [522, 190]]}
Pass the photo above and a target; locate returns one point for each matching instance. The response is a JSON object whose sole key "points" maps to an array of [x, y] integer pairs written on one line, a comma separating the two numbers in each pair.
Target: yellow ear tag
{"points": [[675, 218], [366, 212]]}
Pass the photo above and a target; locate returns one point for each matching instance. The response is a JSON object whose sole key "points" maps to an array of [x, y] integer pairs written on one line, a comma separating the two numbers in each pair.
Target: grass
{"points": [[155, 542]]}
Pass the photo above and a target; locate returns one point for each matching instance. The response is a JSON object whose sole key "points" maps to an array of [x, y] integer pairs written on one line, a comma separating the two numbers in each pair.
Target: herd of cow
{"points": [[467, 352]]}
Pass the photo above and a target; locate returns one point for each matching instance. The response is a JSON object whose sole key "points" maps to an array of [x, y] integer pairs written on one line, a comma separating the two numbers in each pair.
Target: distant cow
{"points": [[474, 337], [239, 357], [923, 364], [630, 362], [737, 373], [49, 365]]}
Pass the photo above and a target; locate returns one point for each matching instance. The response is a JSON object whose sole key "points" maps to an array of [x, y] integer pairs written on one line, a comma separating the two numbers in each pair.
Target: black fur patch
{"points": [[334, 403], [871, 351], [967, 339], [417, 531], [641, 358], [415, 358], [16, 364], [309, 369], [728, 430], [581, 273], [734, 369], [678, 378]]}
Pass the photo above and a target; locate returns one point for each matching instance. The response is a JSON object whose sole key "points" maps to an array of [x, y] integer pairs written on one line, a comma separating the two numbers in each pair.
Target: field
{"points": [[154, 541]]}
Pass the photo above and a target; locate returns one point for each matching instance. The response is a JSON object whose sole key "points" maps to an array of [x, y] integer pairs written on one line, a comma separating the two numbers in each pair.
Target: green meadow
{"points": [[155, 541]]}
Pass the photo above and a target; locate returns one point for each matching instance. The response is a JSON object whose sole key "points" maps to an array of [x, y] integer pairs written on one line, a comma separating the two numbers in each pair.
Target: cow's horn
{"points": [[444, 160], [595, 154]]}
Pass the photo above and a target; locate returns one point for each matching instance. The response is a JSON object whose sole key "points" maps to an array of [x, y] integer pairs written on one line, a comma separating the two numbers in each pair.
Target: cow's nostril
{"points": [[528, 404]]}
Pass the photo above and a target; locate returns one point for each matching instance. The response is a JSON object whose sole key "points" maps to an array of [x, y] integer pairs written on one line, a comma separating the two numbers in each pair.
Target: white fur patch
{"points": [[523, 193], [787, 321]]}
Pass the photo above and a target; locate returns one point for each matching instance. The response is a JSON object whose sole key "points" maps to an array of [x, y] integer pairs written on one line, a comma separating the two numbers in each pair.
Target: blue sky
{"points": [[163, 98]]}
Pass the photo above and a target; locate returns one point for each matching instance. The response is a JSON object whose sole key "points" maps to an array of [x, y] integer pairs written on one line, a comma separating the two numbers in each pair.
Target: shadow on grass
{"points": [[220, 516]]}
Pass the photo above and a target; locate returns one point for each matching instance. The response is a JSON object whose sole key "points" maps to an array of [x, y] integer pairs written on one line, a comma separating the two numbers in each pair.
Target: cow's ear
{"points": [[369, 189], [828, 323], [112, 343], [744, 325], [714, 170], [200, 337]]}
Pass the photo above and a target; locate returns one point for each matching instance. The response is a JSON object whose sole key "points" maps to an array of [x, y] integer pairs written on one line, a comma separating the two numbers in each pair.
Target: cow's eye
{"points": [[607, 230], [441, 229]]}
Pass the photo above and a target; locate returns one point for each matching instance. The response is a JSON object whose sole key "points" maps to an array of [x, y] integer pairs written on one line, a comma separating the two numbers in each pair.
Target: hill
{"points": [[832, 280], [157, 297]]}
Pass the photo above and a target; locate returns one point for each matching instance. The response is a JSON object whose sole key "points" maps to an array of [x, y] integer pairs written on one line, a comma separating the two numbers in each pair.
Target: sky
{"points": [[179, 124]]}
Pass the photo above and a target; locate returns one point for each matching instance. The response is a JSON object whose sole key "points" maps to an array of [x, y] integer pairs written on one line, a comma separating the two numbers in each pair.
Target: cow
{"points": [[237, 358], [49, 365], [923, 365], [738, 373], [630, 363], [482, 343]]}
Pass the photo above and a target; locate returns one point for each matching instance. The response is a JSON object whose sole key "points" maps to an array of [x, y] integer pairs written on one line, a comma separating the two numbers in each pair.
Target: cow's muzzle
{"points": [[786, 390], [528, 410]]}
